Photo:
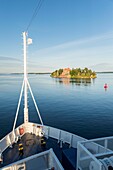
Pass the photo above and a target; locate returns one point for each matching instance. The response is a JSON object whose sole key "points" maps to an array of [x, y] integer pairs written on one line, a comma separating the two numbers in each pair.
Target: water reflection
{"points": [[77, 82]]}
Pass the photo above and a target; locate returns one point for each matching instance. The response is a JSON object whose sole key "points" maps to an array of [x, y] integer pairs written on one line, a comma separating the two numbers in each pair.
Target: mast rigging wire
{"points": [[36, 11]]}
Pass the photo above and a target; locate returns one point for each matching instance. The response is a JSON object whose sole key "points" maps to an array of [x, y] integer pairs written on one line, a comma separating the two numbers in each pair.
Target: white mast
{"points": [[25, 78], [25, 87]]}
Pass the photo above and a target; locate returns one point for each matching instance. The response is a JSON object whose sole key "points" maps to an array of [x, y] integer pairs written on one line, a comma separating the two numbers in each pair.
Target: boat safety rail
{"points": [[44, 160], [85, 159], [60, 135], [99, 146], [38, 129], [11, 138], [92, 152]]}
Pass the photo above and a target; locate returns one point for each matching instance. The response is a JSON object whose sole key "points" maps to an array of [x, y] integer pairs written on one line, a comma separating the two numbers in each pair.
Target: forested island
{"points": [[74, 73]]}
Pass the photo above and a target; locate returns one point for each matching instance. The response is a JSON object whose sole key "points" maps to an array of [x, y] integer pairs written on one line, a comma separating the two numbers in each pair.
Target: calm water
{"points": [[82, 107]]}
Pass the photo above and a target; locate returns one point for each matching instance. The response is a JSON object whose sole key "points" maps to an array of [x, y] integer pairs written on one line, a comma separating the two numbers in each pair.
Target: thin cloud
{"points": [[80, 52], [32, 64], [94, 39], [9, 58], [81, 48], [91, 50]]}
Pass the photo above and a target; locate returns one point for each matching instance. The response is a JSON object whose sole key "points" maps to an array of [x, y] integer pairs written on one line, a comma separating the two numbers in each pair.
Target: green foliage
{"points": [[82, 73], [57, 73], [60, 71], [75, 72]]}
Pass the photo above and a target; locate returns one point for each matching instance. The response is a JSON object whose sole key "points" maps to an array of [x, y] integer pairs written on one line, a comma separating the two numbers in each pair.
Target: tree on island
{"points": [[74, 73]]}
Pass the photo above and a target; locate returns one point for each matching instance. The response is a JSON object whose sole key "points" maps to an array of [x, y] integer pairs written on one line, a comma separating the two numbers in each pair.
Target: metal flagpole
{"points": [[26, 119]]}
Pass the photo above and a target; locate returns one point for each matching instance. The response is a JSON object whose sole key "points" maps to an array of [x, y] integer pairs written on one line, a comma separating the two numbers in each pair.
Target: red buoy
{"points": [[105, 86]]}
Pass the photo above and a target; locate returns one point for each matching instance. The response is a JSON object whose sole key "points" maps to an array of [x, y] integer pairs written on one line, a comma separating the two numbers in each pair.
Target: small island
{"points": [[74, 73]]}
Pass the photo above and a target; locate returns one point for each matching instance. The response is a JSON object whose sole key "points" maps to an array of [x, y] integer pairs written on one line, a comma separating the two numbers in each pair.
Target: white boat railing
{"points": [[60, 135], [91, 152], [37, 129], [10, 139], [84, 158], [44, 161]]}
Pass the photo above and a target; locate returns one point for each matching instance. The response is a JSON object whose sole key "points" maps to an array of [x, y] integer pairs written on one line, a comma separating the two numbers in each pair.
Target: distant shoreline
{"points": [[22, 73], [106, 72]]}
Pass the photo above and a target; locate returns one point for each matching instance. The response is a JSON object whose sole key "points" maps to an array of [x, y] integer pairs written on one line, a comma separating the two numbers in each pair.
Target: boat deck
{"points": [[32, 145]]}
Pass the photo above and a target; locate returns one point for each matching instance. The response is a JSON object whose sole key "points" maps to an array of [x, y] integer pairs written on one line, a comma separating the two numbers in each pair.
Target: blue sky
{"points": [[65, 33]]}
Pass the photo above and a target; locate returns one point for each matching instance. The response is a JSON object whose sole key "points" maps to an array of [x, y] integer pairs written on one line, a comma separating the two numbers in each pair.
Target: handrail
{"points": [[50, 155], [87, 158], [94, 149], [98, 139], [88, 152], [105, 145], [65, 136]]}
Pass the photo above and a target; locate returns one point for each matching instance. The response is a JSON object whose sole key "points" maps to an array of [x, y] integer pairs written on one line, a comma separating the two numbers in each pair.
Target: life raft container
{"points": [[21, 130]]}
